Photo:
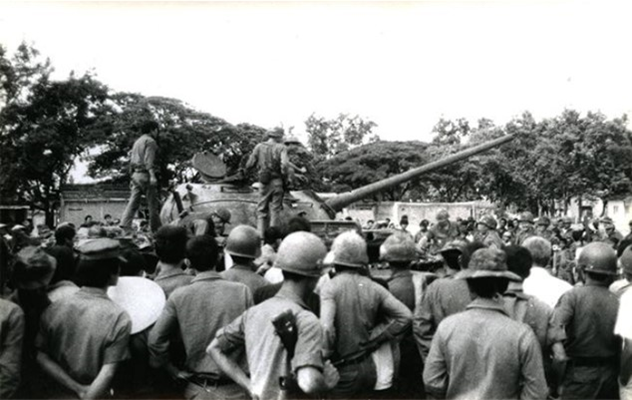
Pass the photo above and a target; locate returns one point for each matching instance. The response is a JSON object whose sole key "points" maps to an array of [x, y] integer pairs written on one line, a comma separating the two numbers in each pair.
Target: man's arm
{"points": [[424, 324], [312, 381], [327, 318], [159, 339], [399, 318], [11, 354], [562, 316], [230, 367], [532, 370], [58, 374], [435, 374], [252, 160], [151, 149]]}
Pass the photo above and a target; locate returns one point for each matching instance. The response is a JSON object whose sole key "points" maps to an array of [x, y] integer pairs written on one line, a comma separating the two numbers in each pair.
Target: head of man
{"points": [[443, 218], [487, 275], [276, 135], [485, 224], [349, 251], [540, 249], [149, 127], [598, 261], [607, 224], [525, 223], [99, 263], [273, 236], [65, 235], [398, 250], [221, 217], [300, 258], [519, 260], [542, 224], [170, 243], [455, 255], [108, 219], [33, 268], [202, 253], [243, 244], [423, 225]]}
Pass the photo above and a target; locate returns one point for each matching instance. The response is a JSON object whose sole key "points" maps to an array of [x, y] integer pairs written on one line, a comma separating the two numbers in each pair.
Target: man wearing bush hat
{"points": [[352, 307], [485, 335], [302, 367], [84, 337]]}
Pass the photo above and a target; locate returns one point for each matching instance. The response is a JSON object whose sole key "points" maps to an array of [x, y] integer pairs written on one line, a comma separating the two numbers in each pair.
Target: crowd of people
{"points": [[99, 312]]}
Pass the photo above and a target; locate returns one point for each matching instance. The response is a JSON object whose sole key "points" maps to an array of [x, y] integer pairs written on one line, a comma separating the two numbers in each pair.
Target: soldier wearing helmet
{"points": [[244, 246], [608, 233], [439, 234], [487, 233], [300, 161], [352, 308], [542, 227], [582, 329], [525, 228], [272, 163], [272, 357]]}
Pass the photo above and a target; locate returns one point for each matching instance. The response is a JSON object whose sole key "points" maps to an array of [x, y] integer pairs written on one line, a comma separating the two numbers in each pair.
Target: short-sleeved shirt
{"points": [[443, 297], [359, 305], [143, 154], [269, 157], [493, 240], [83, 332], [267, 358], [244, 274], [198, 311], [584, 319], [11, 338], [483, 354], [170, 280]]}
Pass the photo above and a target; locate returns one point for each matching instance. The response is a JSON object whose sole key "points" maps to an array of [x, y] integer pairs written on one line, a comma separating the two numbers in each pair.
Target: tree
{"points": [[374, 162], [42, 126], [328, 137]]}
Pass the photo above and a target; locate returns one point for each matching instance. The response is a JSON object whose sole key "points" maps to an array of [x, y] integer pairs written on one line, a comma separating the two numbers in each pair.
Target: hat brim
{"points": [[141, 298], [471, 274]]}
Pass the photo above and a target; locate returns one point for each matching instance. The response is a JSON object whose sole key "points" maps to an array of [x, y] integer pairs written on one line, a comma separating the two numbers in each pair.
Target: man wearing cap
{"points": [[487, 233], [525, 228], [609, 234], [441, 233], [408, 287], [582, 329], [484, 335], [197, 312], [298, 359], [170, 244], [540, 282], [244, 246], [144, 181], [84, 337], [352, 310], [272, 163], [443, 297]]}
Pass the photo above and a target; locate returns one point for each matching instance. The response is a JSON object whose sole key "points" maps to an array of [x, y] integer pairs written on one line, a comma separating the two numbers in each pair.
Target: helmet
{"points": [[291, 140], [488, 221], [276, 133], [223, 214], [626, 260], [526, 217], [442, 215], [301, 253], [599, 258], [398, 247], [243, 241], [350, 250], [544, 221], [606, 220]]}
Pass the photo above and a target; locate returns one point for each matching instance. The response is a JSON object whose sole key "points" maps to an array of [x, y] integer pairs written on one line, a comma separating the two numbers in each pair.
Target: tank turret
{"points": [[219, 191]]}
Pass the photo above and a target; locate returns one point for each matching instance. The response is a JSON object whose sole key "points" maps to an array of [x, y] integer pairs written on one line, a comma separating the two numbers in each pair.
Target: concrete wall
{"points": [[76, 210]]}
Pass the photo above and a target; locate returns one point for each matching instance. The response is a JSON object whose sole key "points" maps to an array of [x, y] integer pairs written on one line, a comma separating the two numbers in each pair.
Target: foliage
{"points": [[328, 137]]}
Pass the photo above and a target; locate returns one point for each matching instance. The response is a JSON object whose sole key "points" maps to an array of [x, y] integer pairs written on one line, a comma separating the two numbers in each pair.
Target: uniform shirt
{"points": [[401, 286], [11, 338], [521, 236], [270, 157], [83, 332], [143, 154], [171, 279], [267, 358], [440, 235], [444, 297], [352, 305], [244, 274], [482, 354], [544, 286], [198, 310], [584, 320], [529, 310], [493, 240]]}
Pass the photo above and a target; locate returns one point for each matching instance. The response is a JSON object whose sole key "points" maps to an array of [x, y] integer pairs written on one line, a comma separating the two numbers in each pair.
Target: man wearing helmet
{"points": [[609, 234], [440, 233], [272, 163], [525, 228], [352, 308], [301, 363], [582, 329], [244, 245], [542, 225], [487, 233]]}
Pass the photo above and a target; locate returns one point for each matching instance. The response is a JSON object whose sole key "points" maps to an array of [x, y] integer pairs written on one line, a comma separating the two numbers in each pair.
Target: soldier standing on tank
{"points": [[274, 172], [582, 329], [142, 158]]}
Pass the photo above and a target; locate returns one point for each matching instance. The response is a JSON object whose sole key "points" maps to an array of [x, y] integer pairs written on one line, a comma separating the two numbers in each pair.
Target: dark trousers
{"points": [[590, 382], [139, 186], [357, 381]]}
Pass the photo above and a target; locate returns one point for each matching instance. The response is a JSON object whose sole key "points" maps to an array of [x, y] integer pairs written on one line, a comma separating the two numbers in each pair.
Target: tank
{"points": [[219, 191]]}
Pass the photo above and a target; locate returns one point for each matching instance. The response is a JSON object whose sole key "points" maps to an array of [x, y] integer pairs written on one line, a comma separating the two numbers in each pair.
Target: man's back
{"points": [[483, 354], [267, 157], [143, 152], [245, 275], [84, 331], [542, 285]]}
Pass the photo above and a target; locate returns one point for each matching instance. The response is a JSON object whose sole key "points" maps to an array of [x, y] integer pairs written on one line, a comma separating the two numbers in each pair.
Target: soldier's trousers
{"points": [[590, 382], [139, 186], [270, 204]]}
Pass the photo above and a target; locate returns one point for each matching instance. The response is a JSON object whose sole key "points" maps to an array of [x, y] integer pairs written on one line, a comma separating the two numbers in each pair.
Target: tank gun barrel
{"points": [[342, 200]]}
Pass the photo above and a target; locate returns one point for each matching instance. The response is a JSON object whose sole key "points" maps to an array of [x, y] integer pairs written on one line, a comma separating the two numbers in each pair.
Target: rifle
{"points": [[285, 328]]}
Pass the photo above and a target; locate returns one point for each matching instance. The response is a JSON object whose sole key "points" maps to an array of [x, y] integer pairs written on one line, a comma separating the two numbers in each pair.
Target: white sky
{"points": [[402, 65]]}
